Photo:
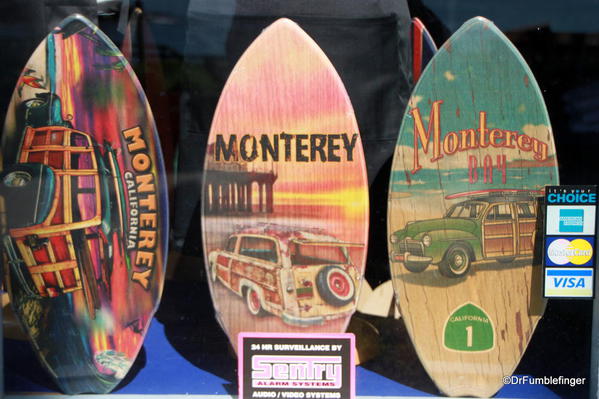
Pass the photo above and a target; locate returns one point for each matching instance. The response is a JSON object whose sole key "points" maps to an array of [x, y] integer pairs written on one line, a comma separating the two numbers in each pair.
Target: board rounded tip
{"points": [[480, 19], [480, 23], [76, 18], [283, 23], [418, 22]]}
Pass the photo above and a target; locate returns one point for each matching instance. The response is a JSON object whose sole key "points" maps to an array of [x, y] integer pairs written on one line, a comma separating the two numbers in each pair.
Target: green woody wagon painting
{"points": [[488, 224]]}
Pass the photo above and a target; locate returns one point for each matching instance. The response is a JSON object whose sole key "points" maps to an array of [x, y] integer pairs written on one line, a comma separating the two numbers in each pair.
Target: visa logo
{"points": [[568, 282]]}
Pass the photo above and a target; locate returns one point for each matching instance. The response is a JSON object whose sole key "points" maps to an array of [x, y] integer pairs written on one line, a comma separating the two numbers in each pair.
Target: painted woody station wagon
{"points": [[66, 201], [490, 225], [304, 276]]}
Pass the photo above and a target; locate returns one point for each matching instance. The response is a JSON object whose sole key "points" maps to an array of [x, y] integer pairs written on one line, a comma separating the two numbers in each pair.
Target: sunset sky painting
{"points": [[294, 92]]}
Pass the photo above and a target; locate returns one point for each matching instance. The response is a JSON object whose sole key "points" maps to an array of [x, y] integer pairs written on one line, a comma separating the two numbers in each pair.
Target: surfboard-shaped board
{"points": [[84, 185], [423, 48], [474, 152], [285, 198]]}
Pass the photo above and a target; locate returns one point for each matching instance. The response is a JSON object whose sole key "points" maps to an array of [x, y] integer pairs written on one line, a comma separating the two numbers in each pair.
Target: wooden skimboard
{"points": [[423, 48], [474, 151], [285, 197], [84, 183]]}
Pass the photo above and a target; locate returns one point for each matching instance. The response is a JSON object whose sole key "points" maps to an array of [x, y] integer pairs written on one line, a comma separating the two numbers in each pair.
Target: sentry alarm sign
{"points": [[296, 366], [570, 250], [282, 372]]}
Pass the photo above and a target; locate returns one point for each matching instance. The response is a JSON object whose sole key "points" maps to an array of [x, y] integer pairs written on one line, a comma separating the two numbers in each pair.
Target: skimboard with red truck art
{"points": [[284, 174]]}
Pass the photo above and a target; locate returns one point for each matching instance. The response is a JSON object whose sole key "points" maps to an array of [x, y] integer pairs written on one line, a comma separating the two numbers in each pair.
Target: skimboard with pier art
{"points": [[474, 153], [285, 201], [83, 181]]}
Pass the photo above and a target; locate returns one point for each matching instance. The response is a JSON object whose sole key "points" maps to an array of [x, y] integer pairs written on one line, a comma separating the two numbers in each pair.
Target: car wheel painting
{"points": [[416, 267], [456, 262], [335, 286], [254, 302]]}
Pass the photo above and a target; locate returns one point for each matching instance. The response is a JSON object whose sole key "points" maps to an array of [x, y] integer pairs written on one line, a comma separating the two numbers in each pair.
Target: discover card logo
{"points": [[570, 220], [563, 251]]}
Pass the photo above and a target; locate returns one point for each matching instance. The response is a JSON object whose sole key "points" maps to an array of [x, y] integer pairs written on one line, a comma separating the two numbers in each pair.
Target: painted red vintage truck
{"points": [[305, 276]]}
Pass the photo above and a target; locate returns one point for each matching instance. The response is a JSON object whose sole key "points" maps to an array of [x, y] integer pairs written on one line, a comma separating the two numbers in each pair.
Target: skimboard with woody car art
{"points": [[55, 249], [84, 187], [285, 193], [474, 154]]}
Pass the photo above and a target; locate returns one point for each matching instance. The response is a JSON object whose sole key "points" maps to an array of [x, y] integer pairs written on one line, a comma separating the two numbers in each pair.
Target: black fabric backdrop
{"points": [[23, 25]]}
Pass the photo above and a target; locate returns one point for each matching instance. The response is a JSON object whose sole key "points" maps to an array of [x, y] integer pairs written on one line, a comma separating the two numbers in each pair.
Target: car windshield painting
{"points": [[259, 248], [311, 255], [469, 210], [525, 210], [500, 212]]}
